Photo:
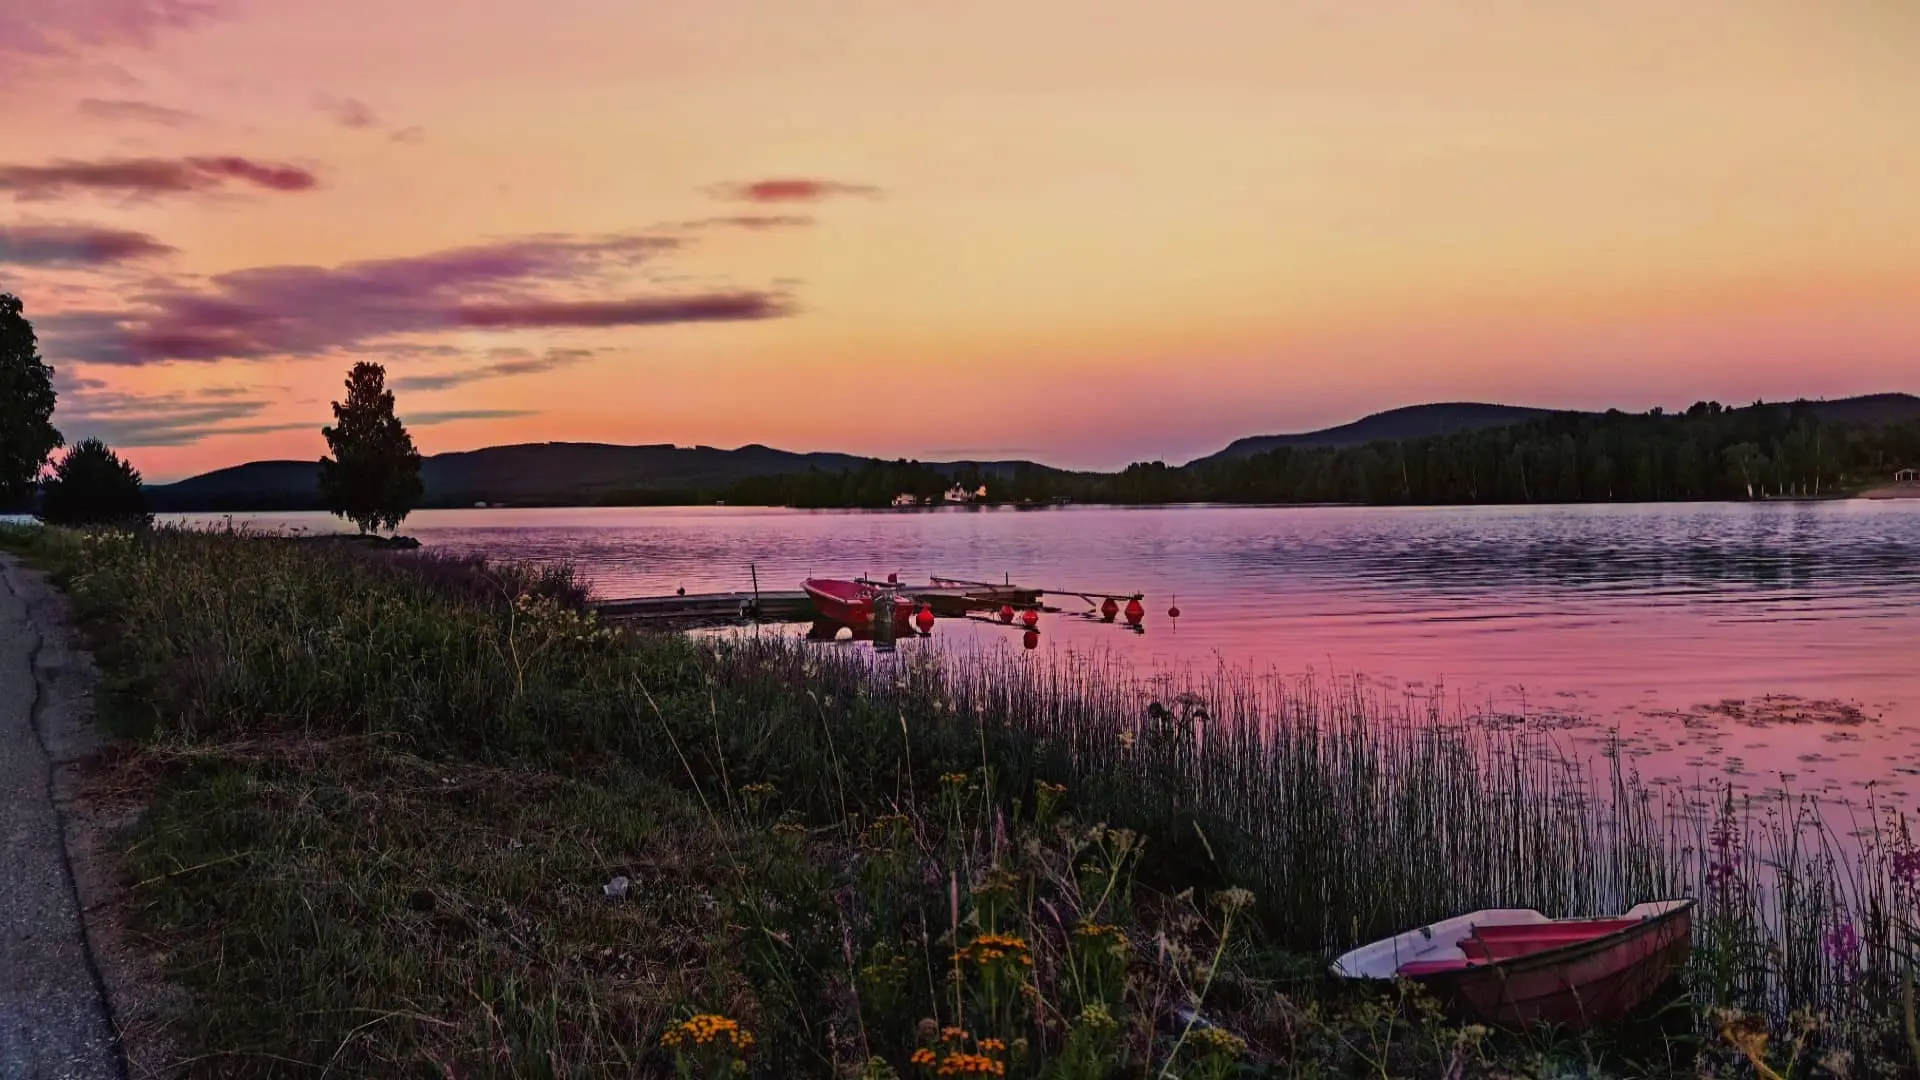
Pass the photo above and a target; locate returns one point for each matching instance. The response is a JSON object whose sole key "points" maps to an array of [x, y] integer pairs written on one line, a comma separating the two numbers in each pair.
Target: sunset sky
{"points": [[1086, 233]]}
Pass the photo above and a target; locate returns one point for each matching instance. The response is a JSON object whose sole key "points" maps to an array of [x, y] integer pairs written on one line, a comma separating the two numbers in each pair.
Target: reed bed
{"points": [[296, 701]]}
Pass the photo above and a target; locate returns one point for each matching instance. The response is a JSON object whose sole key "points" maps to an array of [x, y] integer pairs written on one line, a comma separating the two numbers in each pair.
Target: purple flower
{"points": [[1843, 945], [1906, 867]]}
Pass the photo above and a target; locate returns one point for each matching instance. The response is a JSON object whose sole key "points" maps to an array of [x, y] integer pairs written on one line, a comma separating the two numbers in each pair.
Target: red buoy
{"points": [[1135, 611], [1174, 611], [1006, 613], [1109, 608], [1031, 639], [924, 620], [1031, 618]]}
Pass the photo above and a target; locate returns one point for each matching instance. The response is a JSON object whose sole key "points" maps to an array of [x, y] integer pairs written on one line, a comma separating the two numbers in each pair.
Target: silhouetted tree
{"points": [[27, 434], [373, 477], [93, 486]]}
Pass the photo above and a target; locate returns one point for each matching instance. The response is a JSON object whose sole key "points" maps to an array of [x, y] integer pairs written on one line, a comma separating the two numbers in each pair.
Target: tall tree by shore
{"points": [[373, 476], [27, 434]]}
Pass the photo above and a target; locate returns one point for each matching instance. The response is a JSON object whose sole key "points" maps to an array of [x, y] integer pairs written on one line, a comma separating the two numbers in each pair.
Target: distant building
{"points": [[958, 494], [906, 499], [1907, 476]]}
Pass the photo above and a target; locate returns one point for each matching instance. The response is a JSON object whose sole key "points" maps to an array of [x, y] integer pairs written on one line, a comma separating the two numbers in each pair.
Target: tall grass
{"points": [[1347, 814]]}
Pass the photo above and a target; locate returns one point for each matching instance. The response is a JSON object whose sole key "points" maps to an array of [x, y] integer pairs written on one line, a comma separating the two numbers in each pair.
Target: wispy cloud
{"points": [[74, 245], [141, 112], [276, 311], [448, 416], [88, 410], [67, 29], [347, 112], [791, 189], [140, 177], [751, 222], [633, 311], [360, 116], [505, 363]]}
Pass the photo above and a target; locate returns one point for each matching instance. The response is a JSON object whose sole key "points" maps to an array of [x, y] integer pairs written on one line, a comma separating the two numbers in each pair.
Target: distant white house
{"points": [[958, 494], [906, 499], [1907, 476]]}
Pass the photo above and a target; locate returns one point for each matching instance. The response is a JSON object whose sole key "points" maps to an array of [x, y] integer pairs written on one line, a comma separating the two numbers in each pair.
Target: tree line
{"points": [[1709, 451]]}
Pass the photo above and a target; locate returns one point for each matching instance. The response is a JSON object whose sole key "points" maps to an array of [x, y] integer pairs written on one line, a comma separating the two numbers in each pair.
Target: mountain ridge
{"points": [[560, 473]]}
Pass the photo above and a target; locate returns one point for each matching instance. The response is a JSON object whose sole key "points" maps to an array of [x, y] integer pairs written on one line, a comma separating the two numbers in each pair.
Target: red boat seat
{"points": [[1506, 942], [1413, 969]]}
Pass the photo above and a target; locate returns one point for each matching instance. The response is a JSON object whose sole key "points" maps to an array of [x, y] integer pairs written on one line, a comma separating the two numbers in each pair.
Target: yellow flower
{"points": [[705, 1029], [1219, 1041]]}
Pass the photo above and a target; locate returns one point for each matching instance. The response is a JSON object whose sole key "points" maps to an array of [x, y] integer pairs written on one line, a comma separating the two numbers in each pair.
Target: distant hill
{"points": [[1409, 422], [1867, 409], [1453, 417], [526, 474], [575, 474]]}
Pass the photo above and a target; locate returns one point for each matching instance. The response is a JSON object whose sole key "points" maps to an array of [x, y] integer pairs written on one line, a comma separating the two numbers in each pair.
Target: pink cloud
{"points": [[65, 29], [144, 112], [150, 176], [633, 311], [751, 222], [791, 189], [74, 245], [277, 311], [348, 112]]}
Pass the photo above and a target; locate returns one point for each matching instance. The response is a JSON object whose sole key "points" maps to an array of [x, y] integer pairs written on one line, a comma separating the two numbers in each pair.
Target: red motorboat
{"points": [[850, 603], [1514, 967]]}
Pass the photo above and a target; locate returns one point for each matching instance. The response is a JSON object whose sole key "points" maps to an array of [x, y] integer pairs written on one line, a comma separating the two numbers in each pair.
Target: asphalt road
{"points": [[53, 1020]]}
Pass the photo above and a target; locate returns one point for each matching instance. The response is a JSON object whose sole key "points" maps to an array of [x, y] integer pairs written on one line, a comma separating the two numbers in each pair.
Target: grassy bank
{"points": [[415, 816]]}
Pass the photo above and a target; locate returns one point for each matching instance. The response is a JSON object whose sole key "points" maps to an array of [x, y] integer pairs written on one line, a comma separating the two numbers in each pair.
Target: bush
{"points": [[93, 486]]}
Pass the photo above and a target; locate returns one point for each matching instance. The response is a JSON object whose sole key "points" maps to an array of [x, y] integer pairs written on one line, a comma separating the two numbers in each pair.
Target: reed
{"points": [[271, 667]]}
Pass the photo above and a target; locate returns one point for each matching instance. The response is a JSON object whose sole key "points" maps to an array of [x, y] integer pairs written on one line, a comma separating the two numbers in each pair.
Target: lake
{"points": [[1743, 641]]}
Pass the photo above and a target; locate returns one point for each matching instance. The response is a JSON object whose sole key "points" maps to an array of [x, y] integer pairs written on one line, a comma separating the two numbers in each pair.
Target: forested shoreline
{"points": [[1707, 452]]}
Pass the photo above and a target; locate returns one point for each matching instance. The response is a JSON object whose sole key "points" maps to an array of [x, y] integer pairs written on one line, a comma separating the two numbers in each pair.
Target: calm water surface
{"points": [[1739, 640]]}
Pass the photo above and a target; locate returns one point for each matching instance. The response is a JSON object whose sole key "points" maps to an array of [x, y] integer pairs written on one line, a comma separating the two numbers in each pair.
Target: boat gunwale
{"points": [[1525, 962]]}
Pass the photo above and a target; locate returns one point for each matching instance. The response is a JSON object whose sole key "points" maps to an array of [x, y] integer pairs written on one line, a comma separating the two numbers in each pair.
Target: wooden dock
{"points": [[695, 609]]}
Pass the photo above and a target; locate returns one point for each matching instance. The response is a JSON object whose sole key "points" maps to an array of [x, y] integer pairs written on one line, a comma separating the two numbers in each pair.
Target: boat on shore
{"points": [[851, 603], [1513, 966]]}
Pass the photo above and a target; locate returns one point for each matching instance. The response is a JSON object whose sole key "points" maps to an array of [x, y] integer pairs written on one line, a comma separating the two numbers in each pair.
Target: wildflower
{"points": [[1103, 935], [923, 1056], [953, 1034], [960, 1064], [993, 1046], [1050, 789], [757, 789], [1213, 1040], [1097, 1018], [955, 779], [1234, 900], [708, 1029], [1843, 945], [1906, 867], [991, 948]]}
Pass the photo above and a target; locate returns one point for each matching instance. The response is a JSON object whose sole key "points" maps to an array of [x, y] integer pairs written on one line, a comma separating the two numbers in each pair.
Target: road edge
{"points": [[93, 812]]}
